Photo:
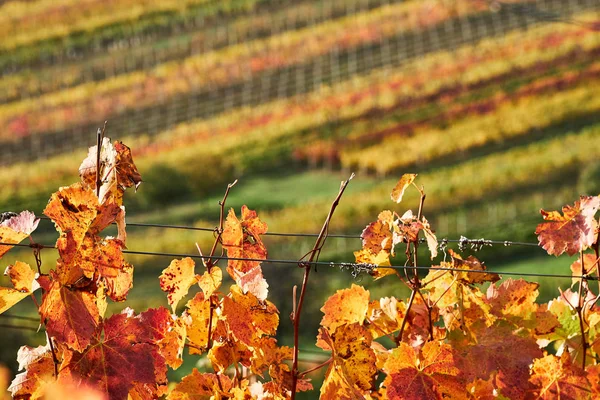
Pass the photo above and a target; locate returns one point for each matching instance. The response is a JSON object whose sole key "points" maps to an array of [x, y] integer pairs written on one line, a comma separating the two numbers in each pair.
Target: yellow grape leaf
{"points": [[198, 319], [558, 378], [433, 373], [210, 282], [432, 242], [403, 183], [201, 386], [17, 228], [177, 279], [24, 283], [571, 232], [385, 316], [382, 259], [346, 306], [172, 345], [354, 367]]}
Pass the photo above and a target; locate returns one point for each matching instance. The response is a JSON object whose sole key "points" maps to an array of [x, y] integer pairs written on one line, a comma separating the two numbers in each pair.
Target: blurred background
{"points": [[494, 103]]}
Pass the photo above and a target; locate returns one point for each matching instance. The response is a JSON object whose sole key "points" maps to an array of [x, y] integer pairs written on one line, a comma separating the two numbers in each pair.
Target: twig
{"points": [[54, 358], [597, 252], [410, 303], [99, 140], [219, 230], [579, 309], [308, 371], [314, 256]]}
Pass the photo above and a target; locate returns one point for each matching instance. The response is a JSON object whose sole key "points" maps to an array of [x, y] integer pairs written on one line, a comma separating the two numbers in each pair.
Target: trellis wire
{"points": [[361, 267]]}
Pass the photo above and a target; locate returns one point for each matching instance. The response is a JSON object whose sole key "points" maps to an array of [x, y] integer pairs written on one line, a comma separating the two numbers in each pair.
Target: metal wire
{"points": [[347, 265], [21, 317]]}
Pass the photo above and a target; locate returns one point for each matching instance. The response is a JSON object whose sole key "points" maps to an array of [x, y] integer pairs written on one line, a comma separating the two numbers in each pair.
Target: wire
{"points": [[21, 317], [473, 242], [361, 267], [23, 327]]}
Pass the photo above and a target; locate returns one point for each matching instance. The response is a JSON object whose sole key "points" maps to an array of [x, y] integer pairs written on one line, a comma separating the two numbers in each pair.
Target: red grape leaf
{"points": [[432, 373], [241, 239], [15, 229], [124, 357], [346, 306], [571, 232], [197, 317], [197, 386], [496, 358], [353, 359], [403, 183], [177, 279], [23, 281], [590, 263], [210, 282], [558, 378], [71, 315]]}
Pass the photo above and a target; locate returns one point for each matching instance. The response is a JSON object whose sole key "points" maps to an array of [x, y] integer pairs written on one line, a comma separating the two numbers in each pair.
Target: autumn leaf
{"points": [[127, 173], [346, 306], [385, 316], [378, 244], [559, 378], [177, 279], [571, 232], [39, 372], [124, 357], [354, 362], [172, 345], [15, 229], [210, 281], [23, 279], [403, 183], [432, 373], [198, 386], [197, 315], [71, 316], [432, 242], [471, 263], [589, 261], [242, 239]]}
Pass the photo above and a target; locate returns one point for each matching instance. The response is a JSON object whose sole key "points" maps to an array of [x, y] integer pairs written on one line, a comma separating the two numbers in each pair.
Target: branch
{"points": [[314, 256], [100, 139], [579, 309], [308, 371], [219, 230]]}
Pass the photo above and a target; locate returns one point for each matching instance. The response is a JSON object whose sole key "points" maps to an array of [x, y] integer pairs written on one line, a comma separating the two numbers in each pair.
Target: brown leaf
{"points": [[571, 232], [401, 186]]}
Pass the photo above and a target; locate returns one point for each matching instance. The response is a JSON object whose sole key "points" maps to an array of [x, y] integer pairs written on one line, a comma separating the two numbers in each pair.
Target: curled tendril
{"points": [[475, 244], [356, 270]]}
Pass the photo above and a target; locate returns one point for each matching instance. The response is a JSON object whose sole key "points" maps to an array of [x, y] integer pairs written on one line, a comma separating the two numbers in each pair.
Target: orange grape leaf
{"points": [[280, 385], [71, 316], [172, 345], [346, 306], [559, 378], [590, 264], [353, 358], [23, 281], [127, 173], [197, 315], [432, 373], [226, 351], [124, 357], [382, 259], [210, 282], [5, 375], [403, 183], [432, 242], [241, 239], [471, 263], [177, 279], [385, 316], [571, 232], [197, 386], [514, 301], [65, 390], [39, 372], [377, 236], [15, 229]]}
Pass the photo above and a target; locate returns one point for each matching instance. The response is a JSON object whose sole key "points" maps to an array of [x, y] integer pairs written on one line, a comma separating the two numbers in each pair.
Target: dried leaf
{"points": [[15, 229], [403, 183], [432, 242], [571, 232]]}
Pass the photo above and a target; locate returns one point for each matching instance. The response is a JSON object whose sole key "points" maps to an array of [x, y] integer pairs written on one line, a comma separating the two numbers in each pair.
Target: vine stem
{"points": [[579, 309], [313, 256], [219, 230], [597, 252], [308, 371], [99, 140]]}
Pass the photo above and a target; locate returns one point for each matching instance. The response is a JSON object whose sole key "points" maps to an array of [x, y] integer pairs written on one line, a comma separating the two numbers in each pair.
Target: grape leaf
{"points": [[471, 263], [559, 378], [382, 259], [127, 173], [590, 264], [571, 232], [23, 279], [15, 229], [197, 386], [124, 357], [210, 282], [39, 372], [385, 316], [354, 362], [432, 373], [346, 306], [172, 345], [197, 315], [432, 242], [403, 183], [177, 279], [241, 239], [71, 316]]}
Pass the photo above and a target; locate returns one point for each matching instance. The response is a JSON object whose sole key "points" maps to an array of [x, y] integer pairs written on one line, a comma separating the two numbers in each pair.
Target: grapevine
{"points": [[449, 339]]}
